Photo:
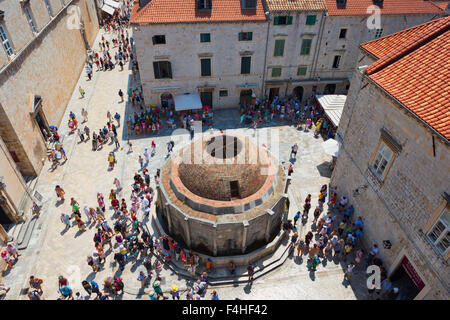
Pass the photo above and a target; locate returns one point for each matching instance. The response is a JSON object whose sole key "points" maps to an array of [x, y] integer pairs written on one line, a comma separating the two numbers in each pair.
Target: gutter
{"points": [[316, 51]]}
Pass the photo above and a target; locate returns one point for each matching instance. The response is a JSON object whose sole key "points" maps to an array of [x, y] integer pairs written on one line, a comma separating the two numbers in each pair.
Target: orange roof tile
{"points": [[441, 4], [391, 43], [295, 5], [359, 7], [178, 11], [417, 72]]}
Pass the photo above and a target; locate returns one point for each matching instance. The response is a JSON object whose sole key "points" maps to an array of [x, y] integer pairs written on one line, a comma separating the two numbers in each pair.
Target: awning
{"points": [[188, 101], [108, 9], [332, 105], [112, 3]]}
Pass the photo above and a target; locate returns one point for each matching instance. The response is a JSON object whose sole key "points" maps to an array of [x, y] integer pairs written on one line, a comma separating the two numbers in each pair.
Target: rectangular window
{"points": [[162, 69], [159, 39], [245, 65], [49, 8], [204, 4], [245, 36], [206, 67], [378, 33], [5, 41], [276, 72], [30, 19], [249, 4], [223, 93], [336, 61], [342, 33], [279, 48], [383, 157], [282, 20], [440, 233], [205, 37], [301, 71], [306, 46], [310, 20]]}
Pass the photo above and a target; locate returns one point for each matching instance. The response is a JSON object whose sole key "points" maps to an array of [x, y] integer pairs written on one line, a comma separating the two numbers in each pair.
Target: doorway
{"points": [[234, 189], [298, 91], [166, 100], [207, 98], [330, 88], [4, 218], [273, 92], [40, 118], [407, 280], [246, 97]]}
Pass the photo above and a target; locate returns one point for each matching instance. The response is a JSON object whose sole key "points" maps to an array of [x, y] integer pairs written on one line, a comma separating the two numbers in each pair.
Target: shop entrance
{"points": [[39, 117], [207, 98], [298, 91], [246, 97], [273, 92], [406, 279], [166, 100], [330, 88]]}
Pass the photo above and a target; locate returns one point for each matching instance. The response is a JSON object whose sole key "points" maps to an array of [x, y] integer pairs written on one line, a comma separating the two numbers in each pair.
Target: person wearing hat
{"points": [[175, 292], [11, 247], [153, 296], [158, 290]]}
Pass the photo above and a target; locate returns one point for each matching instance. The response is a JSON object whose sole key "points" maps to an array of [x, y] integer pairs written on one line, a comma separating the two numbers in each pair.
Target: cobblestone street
{"points": [[53, 252]]}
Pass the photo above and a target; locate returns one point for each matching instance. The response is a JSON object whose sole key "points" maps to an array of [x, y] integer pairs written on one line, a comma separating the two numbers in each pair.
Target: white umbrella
{"points": [[331, 147]]}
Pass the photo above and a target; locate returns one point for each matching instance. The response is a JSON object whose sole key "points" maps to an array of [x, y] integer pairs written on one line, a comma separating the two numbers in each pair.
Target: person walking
{"points": [[251, 272], [36, 284], [81, 91], [84, 114], [175, 292], [111, 160], [121, 95], [60, 192], [142, 278], [294, 150], [141, 161], [81, 135], [147, 157], [349, 270], [66, 220]]}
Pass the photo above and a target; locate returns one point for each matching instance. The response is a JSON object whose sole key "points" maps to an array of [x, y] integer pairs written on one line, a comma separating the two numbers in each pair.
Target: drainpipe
{"points": [[317, 50], [265, 56]]}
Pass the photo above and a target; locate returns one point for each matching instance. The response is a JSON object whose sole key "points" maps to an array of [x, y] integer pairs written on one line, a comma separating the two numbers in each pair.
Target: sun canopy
{"points": [[332, 105], [112, 3], [108, 9], [189, 101]]}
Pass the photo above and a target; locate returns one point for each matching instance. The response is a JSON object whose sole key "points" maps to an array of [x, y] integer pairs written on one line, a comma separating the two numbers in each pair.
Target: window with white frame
{"points": [[30, 19], [440, 232], [383, 157], [49, 8], [5, 41]]}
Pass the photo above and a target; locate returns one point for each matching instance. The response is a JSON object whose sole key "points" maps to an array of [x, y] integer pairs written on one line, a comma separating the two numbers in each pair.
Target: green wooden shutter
{"points": [[169, 67], [245, 65], [279, 48], [301, 71], [250, 36], [275, 20], [311, 20], [276, 72], [289, 20], [205, 37], [206, 67], [156, 70], [306, 46]]}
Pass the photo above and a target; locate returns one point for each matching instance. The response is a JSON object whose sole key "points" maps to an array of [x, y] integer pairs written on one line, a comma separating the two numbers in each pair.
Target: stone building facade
{"points": [[394, 162], [42, 55], [217, 52], [322, 39]]}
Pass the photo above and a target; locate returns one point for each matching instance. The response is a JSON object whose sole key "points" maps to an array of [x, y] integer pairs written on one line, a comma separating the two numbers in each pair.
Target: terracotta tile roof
{"points": [[176, 11], [391, 43], [359, 7], [295, 5], [417, 73], [441, 4]]}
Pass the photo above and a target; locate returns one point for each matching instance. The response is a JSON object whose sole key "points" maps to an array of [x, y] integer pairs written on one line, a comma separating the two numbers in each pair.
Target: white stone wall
{"points": [[404, 202], [182, 49]]}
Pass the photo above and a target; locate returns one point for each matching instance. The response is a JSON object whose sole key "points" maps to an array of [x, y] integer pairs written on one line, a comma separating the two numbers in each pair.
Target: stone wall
{"points": [[47, 64], [405, 202]]}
